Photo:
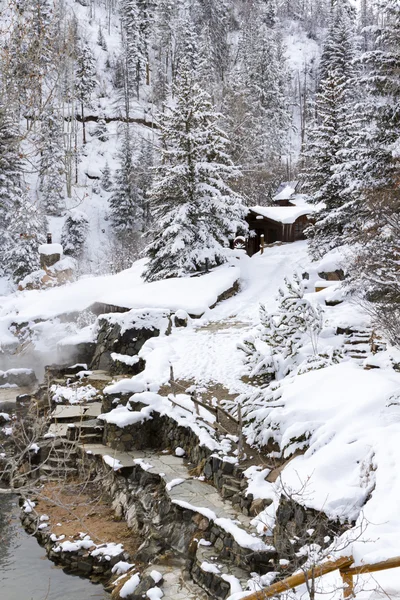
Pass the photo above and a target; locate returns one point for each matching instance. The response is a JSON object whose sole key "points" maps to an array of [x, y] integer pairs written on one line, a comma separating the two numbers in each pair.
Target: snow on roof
{"points": [[50, 249], [285, 190], [283, 214]]}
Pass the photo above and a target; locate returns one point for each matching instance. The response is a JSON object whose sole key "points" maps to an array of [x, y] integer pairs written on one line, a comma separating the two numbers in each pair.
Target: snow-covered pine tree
{"points": [[257, 107], [10, 177], [126, 201], [26, 229], [74, 233], [52, 162], [330, 133], [135, 46], [213, 15], [145, 176], [85, 80], [106, 181], [195, 211], [274, 349], [373, 172]]}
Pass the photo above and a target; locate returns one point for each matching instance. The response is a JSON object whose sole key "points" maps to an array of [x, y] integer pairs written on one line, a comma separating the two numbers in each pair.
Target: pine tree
{"points": [[372, 172], [106, 182], [135, 45], [85, 80], [331, 133], [257, 108], [213, 15], [27, 233], [275, 349], [195, 211], [74, 233], [52, 162], [126, 202], [10, 177]]}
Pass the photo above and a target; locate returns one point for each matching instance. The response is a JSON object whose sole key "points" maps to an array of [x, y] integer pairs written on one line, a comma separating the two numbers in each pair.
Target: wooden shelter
{"points": [[276, 224]]}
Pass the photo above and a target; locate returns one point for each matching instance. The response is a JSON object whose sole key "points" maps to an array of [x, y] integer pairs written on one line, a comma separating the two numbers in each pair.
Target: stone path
{"points": [[176, 586], [193, 491], [76, 412]]}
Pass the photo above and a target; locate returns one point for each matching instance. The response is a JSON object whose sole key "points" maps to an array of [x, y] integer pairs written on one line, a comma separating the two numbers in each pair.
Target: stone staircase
{"points": [[359, 344]]}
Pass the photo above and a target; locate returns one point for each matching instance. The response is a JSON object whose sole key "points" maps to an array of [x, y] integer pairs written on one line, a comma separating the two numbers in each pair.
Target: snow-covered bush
{"points": [[272, 349], [74, 233]]}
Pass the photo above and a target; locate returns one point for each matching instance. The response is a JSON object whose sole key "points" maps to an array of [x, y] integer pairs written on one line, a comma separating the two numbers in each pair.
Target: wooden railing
{"points": [[343, 564], [214, 410]]}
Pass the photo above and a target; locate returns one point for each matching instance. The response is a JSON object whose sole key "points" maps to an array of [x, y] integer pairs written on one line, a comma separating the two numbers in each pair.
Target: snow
{"points": [[143, 464], [121, 567], [114, 463], [34, 447], [4, 416], [174, 483], [209, 568], [28, 506], [49, 249], [194, 295], [286, 192], [350, 417], [154, 593], [283, 214], [179, 451], [130, 586], [123, 416], [125, 358], [73, 394], [241, 537], [156, 576], [234, 582]]}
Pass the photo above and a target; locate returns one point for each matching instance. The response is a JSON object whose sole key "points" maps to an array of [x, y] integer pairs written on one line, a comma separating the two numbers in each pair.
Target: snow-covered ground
{"points": [[346, 417]]}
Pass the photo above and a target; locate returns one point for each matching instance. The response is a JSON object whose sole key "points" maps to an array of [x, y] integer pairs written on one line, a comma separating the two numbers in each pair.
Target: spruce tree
{"points": [[126, 201], [74, 233], [195, 211], [10, 177], [330, 134], [52, 162], [85, 80], [135, 45], [106, 182]]}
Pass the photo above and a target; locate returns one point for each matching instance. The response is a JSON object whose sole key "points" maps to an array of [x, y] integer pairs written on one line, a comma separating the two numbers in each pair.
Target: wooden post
{"points": [[240, 432], [262, 244], [196, 406], [172, 380], [348, 585]]}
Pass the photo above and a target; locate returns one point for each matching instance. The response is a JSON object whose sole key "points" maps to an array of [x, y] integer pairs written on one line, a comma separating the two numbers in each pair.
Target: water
{"points": [[26, 573]]}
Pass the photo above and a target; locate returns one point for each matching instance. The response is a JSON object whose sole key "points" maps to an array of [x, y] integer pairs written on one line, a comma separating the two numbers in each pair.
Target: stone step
{"points": [[63, 472], [232, 482], [214, 574], [60, 461]]}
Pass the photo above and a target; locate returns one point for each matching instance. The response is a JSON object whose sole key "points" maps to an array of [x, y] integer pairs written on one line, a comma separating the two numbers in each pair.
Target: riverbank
{"points": [[25, 572]]}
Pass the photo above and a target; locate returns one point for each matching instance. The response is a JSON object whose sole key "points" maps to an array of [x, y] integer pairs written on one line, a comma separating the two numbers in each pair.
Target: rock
{"points": [[181, 318], [337, 275], [259, 505], [18, 377], [4, 418]]}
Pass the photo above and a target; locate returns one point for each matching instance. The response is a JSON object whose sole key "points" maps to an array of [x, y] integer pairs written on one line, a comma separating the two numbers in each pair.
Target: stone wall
{"points": [[80, 562]]}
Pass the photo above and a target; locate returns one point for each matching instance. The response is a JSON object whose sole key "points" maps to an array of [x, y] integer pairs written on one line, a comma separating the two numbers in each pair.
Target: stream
{"points": [[25, 571]]}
